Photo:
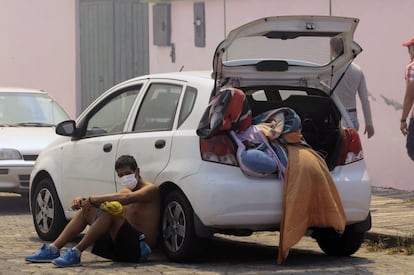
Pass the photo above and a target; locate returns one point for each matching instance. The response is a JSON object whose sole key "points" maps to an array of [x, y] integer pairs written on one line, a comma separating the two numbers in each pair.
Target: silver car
{"points": [[27, 124]]}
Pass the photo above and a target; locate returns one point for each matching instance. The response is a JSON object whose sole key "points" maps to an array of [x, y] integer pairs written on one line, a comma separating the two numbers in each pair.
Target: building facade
{"points": [[76, 49]]}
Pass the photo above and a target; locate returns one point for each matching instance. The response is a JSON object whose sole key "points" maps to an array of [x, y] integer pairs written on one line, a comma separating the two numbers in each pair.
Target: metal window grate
{"points": [[4, 171], [30, 157], [24, 180]]}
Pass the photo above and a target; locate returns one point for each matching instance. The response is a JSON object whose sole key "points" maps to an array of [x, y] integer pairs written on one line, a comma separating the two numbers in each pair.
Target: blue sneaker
{"points": [[145, 251], [44, 255], [69, 258]]}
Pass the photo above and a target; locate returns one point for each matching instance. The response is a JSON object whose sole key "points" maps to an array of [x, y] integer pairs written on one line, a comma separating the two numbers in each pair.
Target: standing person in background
{"points": [[408, 101], [352, 82]]}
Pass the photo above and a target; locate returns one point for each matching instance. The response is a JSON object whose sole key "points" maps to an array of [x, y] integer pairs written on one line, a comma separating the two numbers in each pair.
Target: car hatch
{"points": [[285, 50]]}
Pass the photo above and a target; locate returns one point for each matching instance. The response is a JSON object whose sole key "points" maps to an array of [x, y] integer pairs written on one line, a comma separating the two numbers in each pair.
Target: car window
{"points": [[158, 108], [314, 50], [30, 109], [259, 95], [284, 94], [188, 104], [112, 116]]}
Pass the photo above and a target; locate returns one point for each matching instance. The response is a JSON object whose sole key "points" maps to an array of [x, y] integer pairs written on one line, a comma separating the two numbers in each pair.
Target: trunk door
{"points": [[285, 50]]}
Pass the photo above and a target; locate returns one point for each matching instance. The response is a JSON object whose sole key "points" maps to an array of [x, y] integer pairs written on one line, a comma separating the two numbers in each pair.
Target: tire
{"points": [[179, 240], [47, 211], [334, 244]]}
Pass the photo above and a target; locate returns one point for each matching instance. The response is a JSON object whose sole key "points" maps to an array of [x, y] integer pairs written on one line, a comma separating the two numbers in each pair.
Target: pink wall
{"points": [[221, 17], [182, 35], [382, 30], [383, 27], [37, 48]]}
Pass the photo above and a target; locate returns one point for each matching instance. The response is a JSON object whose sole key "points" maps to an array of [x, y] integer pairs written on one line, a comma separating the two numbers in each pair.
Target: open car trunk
{"points": [[320, 118], [286, 61]]}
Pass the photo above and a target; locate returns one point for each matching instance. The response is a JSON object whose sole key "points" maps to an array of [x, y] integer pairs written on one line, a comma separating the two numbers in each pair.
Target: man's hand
{"points": [[403, 128], [369, 130], [78, 203]]}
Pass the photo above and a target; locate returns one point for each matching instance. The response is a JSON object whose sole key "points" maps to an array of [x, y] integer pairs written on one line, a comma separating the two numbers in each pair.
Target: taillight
{"points": [[351, 149], [218, 148]]}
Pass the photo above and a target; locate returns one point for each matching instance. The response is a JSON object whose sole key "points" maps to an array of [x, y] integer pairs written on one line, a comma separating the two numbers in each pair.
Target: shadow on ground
{"points": [[221, 251], [13, 204]]}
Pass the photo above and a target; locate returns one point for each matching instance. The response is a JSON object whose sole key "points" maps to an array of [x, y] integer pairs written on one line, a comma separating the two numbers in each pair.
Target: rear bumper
{"points": [[223, 197], [354, 188]]}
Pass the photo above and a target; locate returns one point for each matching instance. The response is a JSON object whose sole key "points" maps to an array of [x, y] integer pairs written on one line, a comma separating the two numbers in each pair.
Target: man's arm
{"points": [[407, 105], [366, 107], [145, 194]]}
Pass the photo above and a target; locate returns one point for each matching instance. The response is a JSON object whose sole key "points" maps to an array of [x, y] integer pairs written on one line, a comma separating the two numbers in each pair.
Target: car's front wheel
{"points": [[178, 235], [48, 217], [334, 244]]}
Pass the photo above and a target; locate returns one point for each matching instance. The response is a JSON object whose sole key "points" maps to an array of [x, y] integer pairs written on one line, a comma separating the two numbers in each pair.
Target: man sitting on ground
{"points": [[123, 225]]}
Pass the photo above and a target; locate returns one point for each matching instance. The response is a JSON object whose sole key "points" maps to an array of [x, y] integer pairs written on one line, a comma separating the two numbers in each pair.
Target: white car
{"points": [[276, 61], [27, 125]]}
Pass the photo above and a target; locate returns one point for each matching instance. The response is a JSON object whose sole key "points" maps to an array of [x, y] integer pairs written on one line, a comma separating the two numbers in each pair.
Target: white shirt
{"points": [[353, 82]]}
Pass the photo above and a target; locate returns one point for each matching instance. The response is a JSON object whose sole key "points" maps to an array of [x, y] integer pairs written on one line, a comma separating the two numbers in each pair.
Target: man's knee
{"points": [[89, 215]]}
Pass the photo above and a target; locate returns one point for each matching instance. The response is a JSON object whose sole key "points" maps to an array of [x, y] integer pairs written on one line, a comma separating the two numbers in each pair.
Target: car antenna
{"points": [[181, 69]]}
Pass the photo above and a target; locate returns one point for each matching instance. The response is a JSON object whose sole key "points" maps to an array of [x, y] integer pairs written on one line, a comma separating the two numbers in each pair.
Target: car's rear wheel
{"points": [[48, 217], [334, 244], [178, 235]]}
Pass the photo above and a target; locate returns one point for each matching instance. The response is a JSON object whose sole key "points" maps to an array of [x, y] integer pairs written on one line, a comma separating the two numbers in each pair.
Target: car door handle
{"points": [[107, 147], [160, 143]]}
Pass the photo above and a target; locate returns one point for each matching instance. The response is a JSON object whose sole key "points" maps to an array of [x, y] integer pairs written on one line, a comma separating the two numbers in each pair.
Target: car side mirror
{"points": [[66, 128]]}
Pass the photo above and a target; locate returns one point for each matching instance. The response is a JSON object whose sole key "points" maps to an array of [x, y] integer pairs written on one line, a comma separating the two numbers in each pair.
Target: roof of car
{"points": [[198, 74], [204, 76], [20, 90]]}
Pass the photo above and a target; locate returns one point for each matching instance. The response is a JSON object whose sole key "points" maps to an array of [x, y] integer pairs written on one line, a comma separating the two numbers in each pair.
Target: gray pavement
{"points": [[392, 218]]}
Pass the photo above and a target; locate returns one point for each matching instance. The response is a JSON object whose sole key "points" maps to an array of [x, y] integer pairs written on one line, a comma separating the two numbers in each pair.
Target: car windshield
{"points": [[29, 109], [310, 50]]}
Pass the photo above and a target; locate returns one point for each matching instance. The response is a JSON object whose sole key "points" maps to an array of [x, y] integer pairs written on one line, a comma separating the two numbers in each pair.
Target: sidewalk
{"points": [[392, 213]]}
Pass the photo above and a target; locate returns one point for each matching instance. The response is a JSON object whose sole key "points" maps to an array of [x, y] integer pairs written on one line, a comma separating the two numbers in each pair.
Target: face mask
{"points": [[128, 181]]}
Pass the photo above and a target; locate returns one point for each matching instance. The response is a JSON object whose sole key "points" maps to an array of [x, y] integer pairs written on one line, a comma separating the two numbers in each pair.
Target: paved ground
{"points": [[392, 214]]}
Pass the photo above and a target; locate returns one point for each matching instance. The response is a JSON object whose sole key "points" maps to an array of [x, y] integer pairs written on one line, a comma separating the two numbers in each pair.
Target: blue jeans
{"points": [[354, 119], [410, 139]]}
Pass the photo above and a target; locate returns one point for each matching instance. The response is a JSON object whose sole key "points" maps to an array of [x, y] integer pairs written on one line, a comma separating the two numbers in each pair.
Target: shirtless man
{"points": [[123, 226]]}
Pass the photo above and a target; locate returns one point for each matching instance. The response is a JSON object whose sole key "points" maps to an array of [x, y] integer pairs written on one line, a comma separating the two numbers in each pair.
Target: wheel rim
{"points": [[44, 210], [173, 226]]}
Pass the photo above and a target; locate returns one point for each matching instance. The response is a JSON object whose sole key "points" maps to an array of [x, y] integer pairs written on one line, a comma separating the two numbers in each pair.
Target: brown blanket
{"points": [[310, 198]]}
